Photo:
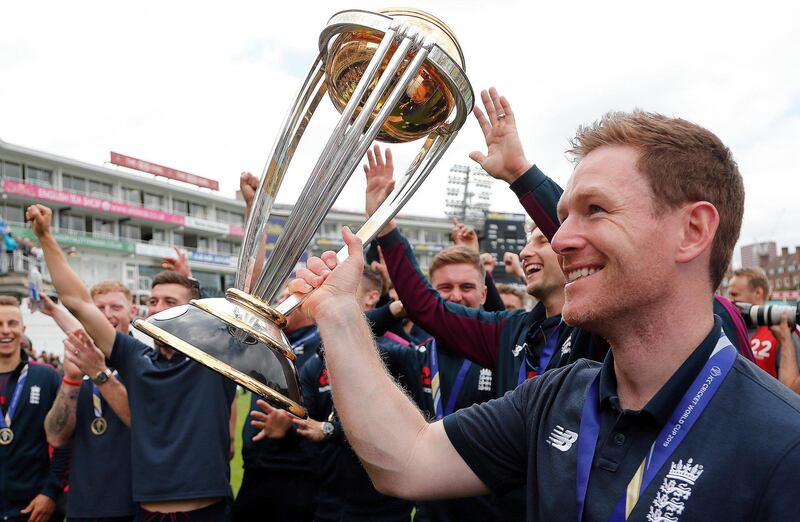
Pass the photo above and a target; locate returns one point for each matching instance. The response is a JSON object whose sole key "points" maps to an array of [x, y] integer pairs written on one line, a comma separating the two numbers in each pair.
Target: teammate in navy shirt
{"points": [[279, 483], [91, 416], [28, 486], [649, 220], [180, 410]]}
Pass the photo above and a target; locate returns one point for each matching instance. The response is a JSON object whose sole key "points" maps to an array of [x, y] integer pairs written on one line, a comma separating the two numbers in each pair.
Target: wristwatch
{"points": [[327, 430], [102, 377]]}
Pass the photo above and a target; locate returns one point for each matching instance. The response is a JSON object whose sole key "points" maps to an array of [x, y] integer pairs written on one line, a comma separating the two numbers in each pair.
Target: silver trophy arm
{"points": [[282, 151], [412, 180]]}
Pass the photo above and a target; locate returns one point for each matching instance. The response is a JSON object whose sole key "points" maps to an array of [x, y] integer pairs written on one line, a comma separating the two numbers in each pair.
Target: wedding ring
{"points": [[501, 116]]}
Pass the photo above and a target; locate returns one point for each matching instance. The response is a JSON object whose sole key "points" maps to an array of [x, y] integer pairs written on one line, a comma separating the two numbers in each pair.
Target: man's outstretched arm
{"points": [[403, 454], [71, 290]]}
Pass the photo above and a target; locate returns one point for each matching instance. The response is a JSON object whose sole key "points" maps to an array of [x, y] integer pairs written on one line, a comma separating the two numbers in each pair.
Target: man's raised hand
{"points": [[504, 158], [379, 171], [40, 217]]}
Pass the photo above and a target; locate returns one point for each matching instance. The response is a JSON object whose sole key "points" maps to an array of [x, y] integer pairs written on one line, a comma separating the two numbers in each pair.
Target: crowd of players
{"points": [[622, 267]]}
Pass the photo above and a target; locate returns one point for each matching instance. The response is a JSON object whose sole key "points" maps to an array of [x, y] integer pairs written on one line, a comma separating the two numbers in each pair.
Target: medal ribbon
{"points": [[5, 421], [688, 410], [96, 401], [97, 398], [435, 382], [544, 358]]}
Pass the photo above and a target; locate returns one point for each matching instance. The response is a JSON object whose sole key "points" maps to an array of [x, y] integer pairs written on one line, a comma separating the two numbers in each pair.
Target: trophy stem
{"points": [[433, 149], [336, 167], [283, 149]]}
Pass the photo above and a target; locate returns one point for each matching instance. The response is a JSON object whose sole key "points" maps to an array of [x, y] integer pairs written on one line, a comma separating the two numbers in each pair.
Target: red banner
{"points": [[160, 170]]}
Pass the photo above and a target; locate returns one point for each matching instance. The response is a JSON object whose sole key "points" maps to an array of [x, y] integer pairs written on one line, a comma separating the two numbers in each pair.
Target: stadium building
{"points": [[116, 223]]}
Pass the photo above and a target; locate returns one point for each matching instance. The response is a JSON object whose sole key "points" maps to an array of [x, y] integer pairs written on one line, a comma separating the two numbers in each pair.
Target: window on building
{"points": [[129, 231], [229, 217], [154, 201], [330, 230], [13, 214], [202, 244], [37, 176], [100, 189], [132, 196], [103, 228], [72, 223], [180, 206], [177, 238], [72, 183], [224, 247], [12, 170], [157, 236], [197, 210]]}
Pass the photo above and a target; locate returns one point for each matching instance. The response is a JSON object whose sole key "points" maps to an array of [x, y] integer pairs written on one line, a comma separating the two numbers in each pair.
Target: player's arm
{"points": [[472, 333], [91, 361], [505, 160], [59, 423], [71, 290], [788, 371], [403, 454]]}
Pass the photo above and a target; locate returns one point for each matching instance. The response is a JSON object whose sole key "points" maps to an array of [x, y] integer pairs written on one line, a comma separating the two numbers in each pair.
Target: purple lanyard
{"points": [[304, 339], [454, 391], [544, 358], [689, 409], [5, 420]]}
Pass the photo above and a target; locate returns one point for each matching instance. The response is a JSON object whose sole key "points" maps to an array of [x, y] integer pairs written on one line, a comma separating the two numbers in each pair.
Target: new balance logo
{"points": [[35, 393], [567, 346], [562, 439]]}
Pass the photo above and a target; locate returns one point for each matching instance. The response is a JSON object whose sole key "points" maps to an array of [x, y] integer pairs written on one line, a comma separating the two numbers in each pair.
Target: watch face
{"points": [[101, 378], [327, 428]]}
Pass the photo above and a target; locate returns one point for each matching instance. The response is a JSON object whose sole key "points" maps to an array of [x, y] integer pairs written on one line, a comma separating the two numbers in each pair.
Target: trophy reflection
{"points": [[395, 76]]}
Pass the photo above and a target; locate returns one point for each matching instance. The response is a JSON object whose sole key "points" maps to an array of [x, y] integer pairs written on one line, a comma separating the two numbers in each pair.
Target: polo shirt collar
{"points": [[666, 399]]}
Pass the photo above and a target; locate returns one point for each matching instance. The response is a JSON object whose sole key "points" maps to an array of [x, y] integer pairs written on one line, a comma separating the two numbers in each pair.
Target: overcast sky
{"points": [[203, 87]]}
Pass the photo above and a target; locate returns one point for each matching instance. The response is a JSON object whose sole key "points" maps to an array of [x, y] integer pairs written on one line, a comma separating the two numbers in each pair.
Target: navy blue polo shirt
{"points": [[25, 463], [100, 479], [743, 453], [292, 452], [345, 491], [411, 366], [180, 432]]}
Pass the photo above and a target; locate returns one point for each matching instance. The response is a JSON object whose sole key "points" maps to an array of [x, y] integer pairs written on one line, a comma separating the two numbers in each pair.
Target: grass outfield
{"points": [[242, 409]]}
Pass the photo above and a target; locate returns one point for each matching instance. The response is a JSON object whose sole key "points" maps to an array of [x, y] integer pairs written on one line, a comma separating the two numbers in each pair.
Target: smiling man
{"points": [[28, 488], [648, 224]]}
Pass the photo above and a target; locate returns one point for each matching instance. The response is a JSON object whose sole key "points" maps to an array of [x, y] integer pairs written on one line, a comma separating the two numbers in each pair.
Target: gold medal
{"points": [[99, 426], [6, 436]]}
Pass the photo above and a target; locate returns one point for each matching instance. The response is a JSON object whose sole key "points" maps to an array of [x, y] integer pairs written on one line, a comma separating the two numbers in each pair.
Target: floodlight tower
{"points": [[469, 190]]}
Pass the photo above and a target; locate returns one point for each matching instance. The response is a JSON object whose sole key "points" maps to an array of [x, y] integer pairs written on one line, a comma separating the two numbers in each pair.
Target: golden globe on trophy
{"points": [[396, 76]]}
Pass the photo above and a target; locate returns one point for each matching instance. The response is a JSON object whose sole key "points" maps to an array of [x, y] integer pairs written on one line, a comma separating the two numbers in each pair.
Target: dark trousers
{"points": [[275, 495]]}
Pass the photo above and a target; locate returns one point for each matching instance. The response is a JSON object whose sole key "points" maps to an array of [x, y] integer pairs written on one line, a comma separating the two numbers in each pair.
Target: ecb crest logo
{"points": [[675, 490]]}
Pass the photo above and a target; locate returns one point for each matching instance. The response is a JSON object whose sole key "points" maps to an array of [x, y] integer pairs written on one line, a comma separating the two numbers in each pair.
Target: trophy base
{"points": [[236, 343]]}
